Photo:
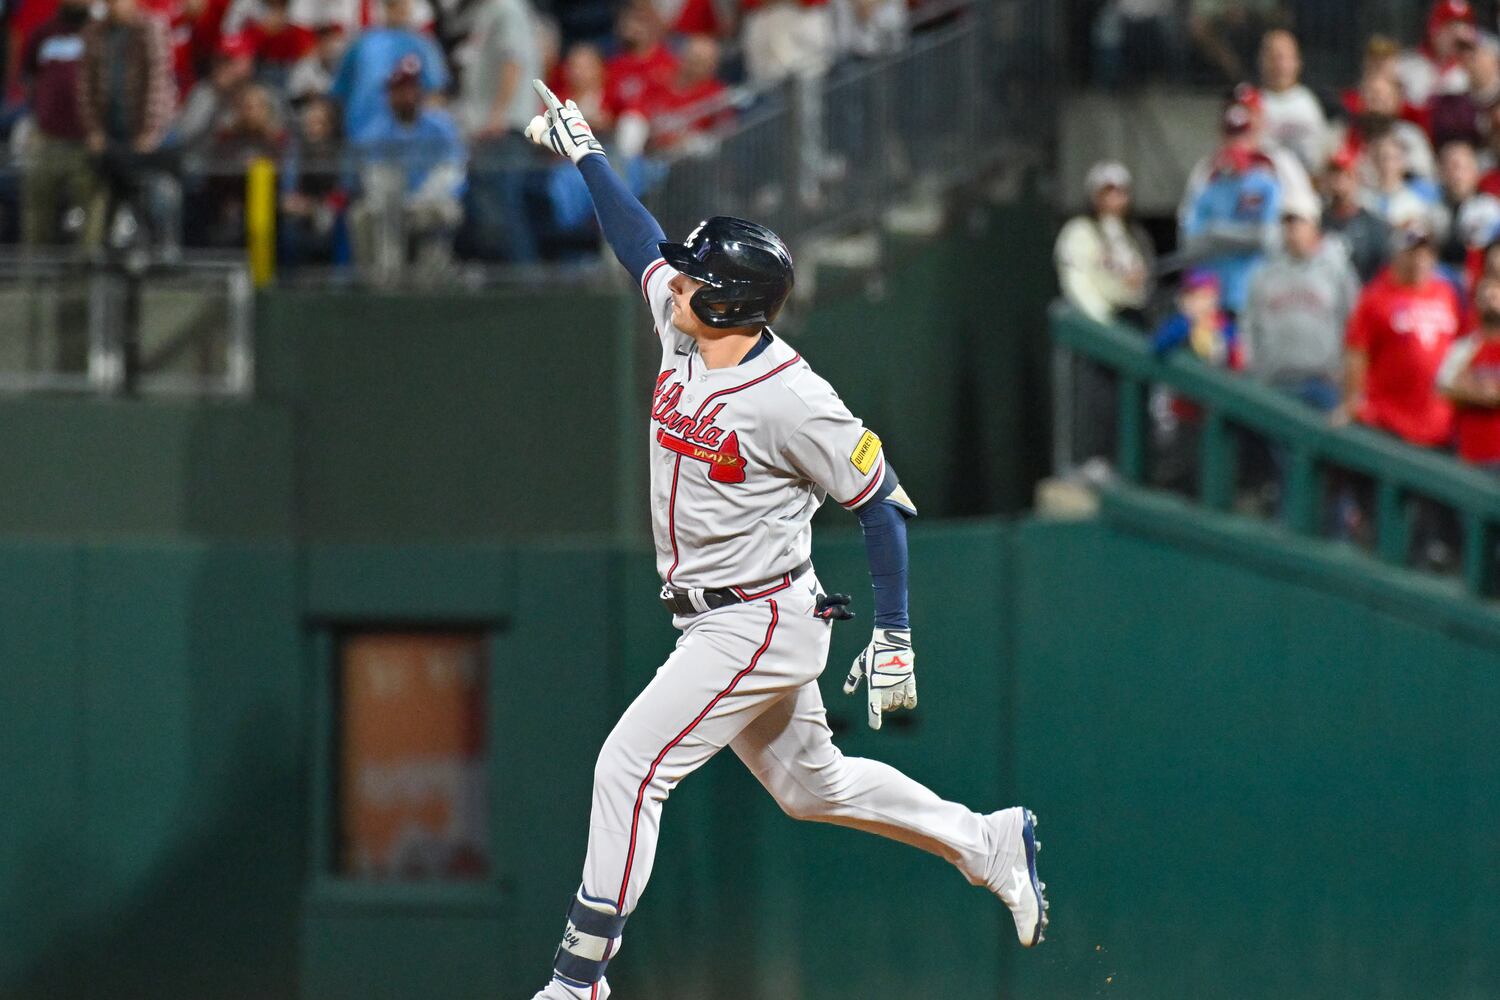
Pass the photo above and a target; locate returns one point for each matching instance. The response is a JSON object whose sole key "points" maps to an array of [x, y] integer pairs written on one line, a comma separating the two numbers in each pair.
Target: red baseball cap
{"points": [[1446, 12], [408, 70]]}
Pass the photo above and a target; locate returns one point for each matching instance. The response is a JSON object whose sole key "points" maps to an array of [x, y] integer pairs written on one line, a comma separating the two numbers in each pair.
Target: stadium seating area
{"points": [[1342, 247], [374, 109]]}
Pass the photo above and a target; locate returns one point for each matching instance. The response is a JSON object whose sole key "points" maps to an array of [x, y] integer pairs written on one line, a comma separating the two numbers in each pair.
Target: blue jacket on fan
{"points": [[1234, 223]]}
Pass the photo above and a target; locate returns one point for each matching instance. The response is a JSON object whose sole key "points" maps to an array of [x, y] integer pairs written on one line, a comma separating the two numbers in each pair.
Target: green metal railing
{"points": [[1313, 447]]}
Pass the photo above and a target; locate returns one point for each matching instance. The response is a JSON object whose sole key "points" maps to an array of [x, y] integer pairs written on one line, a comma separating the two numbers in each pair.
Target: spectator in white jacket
{"points": [[1294, 117], [1104, 264], [1104, 260]]}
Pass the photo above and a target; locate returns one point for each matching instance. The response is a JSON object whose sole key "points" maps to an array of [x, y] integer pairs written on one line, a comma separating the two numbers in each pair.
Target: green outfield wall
{"points": [[1265, 769]]}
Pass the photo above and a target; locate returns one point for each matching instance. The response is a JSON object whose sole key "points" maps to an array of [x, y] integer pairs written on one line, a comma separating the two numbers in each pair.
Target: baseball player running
{"points": [[745, 443]]}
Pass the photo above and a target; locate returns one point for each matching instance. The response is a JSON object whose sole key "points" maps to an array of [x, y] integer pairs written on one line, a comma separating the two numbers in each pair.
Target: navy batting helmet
{"points": [[745, 268]]}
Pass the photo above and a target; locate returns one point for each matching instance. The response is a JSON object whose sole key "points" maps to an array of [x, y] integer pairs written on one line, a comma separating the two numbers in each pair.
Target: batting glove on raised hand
{"points": [[888, 666], [562, 128]]}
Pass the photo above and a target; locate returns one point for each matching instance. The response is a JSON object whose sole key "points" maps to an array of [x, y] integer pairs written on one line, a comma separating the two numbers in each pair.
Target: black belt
{"points": [[695, 602]]}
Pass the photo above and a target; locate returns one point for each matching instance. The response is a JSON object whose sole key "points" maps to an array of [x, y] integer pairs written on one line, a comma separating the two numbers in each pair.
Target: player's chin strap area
{"points": [[590, 941]]}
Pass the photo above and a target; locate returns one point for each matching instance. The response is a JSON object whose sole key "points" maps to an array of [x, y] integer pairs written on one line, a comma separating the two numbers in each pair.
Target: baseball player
{"points": [[745, 442]]}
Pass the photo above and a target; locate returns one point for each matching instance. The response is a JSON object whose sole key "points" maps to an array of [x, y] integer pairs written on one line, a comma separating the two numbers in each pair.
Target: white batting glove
{"points": [[562, 128], [888, 666]]}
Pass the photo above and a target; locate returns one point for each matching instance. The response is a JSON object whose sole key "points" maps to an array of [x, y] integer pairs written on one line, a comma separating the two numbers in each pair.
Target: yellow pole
{"points": [[260, 221]]}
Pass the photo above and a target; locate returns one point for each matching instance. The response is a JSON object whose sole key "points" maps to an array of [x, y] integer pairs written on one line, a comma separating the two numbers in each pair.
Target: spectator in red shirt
{"points": [[276, 42], [1470, 378], [642, 74], [57, 168], [691, 104], [20, 26], [203, 22], [1402, 326]]}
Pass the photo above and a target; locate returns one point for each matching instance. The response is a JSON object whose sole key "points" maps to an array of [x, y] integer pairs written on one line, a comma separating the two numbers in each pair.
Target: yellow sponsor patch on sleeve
{"points": [[866, 452]]}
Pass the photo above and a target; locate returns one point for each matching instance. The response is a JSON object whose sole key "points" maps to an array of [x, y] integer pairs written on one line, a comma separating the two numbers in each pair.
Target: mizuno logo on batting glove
{"points": [[888, 667]]}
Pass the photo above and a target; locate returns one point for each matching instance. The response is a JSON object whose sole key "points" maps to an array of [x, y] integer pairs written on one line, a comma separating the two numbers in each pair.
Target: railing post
{"points": [[260, 220], [1063, 426], [239, 363], [1304, 492], [1132, 444], [1393, 533], [1216, 462], [106, 364], [1479, 554]]}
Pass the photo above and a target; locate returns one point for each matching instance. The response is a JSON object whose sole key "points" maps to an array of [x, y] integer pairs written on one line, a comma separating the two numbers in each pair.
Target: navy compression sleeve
{"points": [[884, 525], [632, 232]]}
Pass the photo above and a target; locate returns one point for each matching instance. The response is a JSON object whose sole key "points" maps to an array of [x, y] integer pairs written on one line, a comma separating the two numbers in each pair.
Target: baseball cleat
{"points": [[1014, 878]]}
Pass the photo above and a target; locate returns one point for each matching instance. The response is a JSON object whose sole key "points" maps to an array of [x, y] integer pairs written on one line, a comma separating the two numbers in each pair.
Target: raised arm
{"points": [[631, 231], [1457, 380]]}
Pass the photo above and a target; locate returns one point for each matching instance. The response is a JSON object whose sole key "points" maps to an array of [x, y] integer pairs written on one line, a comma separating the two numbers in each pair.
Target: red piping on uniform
{"points": [[755, 381], [640, 796], [879, 478], [672, 501], [672, 518], [776, 588]]}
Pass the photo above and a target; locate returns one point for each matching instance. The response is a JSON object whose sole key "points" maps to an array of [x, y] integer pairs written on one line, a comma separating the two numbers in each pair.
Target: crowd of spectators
{"points": [[389, 119], [1343, 249]]}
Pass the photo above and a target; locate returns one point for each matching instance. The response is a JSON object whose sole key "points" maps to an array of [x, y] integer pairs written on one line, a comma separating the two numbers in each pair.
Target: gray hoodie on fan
{"points": [[1292, 327]]}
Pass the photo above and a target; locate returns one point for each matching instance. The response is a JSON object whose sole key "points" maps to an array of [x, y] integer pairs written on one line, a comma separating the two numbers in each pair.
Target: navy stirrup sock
{"points": [[592, 938]]}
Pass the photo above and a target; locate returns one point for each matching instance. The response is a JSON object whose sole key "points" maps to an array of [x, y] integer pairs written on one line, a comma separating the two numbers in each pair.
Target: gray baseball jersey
{"points": [[742, 457]]}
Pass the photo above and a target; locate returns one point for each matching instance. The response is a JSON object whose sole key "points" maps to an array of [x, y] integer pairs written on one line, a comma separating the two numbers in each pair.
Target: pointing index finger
{"points": [[548, 97]]}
